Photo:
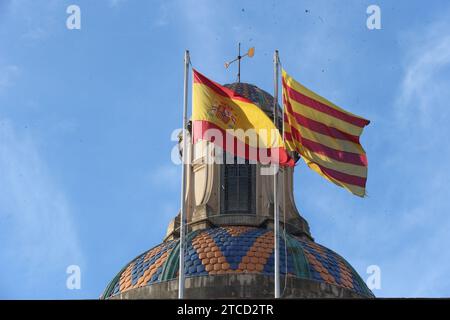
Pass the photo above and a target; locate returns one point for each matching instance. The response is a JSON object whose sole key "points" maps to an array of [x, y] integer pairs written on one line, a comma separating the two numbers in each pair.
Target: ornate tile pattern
{"points": [[237, 249], [326, 265], [143, 270], [258, 96]]}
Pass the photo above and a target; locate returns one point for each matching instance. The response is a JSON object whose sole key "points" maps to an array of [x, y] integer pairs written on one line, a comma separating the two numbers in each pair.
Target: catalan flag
{"points": [[326, 136], [235, 124]]}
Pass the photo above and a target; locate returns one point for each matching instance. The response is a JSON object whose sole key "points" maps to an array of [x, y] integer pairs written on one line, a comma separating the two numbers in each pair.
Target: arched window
{"points": [[238, 188]]}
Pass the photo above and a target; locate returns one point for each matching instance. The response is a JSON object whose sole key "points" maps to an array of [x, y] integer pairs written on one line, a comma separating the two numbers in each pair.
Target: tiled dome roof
{"points": [[237, 249], [258, 96]]}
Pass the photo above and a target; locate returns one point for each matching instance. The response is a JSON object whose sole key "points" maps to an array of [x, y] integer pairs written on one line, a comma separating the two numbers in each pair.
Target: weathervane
{"points": [[250, 53]]}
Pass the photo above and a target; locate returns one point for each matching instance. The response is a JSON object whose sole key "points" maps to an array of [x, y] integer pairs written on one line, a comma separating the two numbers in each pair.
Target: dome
{"points": [[239, 250], [258, 96]]}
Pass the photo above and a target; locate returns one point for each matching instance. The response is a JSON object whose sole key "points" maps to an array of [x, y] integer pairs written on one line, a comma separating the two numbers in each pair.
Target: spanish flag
{"points": [[235, 124], [326, 136]]}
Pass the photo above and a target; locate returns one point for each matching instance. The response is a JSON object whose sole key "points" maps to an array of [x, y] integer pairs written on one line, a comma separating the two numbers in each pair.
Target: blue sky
{"points": [[86, 116]]}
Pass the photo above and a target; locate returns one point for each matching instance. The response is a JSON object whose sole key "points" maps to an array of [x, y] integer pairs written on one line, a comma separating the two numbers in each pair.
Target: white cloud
{"points": [[36, 20], [163, 15], [37, 229], [116, 3], [8, 76], [424, 90], [422, 114]]}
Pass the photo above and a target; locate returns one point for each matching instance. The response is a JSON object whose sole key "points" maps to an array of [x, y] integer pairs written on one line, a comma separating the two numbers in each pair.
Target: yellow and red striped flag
{"points": [[235, 124], [326, 136]]}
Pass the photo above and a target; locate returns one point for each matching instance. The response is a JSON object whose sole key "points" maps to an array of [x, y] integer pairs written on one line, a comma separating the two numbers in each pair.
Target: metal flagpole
{"points": [[275, 185], [239, 62], [283, 186], [181, 276]]}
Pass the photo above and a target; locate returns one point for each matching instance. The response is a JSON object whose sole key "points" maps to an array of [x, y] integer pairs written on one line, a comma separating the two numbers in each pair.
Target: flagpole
{"points": [[283, 185], [181, 276], [275, 186]]}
